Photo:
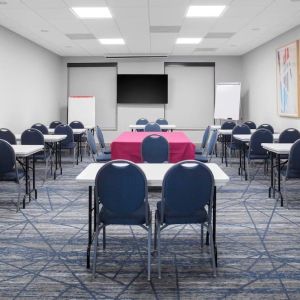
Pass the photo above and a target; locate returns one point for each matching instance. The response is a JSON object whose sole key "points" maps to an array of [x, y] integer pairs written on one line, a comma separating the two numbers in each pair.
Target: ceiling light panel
{"points": [[91, 12], [112, 41], [205, 11], [188, 41]]}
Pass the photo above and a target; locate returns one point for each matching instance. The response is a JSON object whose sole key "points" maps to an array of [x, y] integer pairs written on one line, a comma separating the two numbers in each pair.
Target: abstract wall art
{"points": [[287, 61]]}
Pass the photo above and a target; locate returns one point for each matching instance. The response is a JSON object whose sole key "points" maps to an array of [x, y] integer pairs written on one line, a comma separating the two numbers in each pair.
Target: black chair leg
{"points": [[104, 238], [155, 232]]}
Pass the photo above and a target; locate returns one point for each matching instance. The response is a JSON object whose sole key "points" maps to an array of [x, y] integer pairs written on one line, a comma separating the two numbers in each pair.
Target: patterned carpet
{"points": [[43, 248]]}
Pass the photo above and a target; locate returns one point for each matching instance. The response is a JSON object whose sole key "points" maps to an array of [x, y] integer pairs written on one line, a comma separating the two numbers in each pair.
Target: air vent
{"points": [[205, 49], [219, 35], [80, 36], [164, 29]]}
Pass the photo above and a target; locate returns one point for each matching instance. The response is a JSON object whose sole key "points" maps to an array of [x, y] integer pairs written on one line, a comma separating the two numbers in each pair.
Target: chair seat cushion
{"points": [[257, 156], [201, 158], [136, 218], [171, 218], [292, 173], [70, 145], [11, 176], [41, 155], [107, 150], [199, 150], [233, 146], [78, 137], [103, 157]]}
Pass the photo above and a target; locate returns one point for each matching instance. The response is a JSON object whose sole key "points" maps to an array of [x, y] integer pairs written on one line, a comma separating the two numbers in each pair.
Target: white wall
{"points": [[31, 88], [227, 69], [259, 83]]}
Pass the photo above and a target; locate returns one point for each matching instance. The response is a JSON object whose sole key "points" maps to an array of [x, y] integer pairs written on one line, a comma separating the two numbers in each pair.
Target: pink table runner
{"points": [[128, 146]]}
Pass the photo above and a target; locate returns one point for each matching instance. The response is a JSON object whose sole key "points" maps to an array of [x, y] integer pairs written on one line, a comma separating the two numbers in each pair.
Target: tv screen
{"points": [[138, 88]]}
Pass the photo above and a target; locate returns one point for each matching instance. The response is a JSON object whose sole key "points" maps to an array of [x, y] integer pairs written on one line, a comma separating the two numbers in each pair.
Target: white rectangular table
{"points": [[154, 174], [75, 130], [276, 149], [163, 127], [54, 139], [78, 132], [245, 138], [26, 151]]}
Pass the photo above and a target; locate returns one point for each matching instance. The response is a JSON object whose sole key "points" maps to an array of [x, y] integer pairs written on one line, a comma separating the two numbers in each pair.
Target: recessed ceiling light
{"points": [[205, 11], [188, 41], [112, 41], [255, 29], [91, 12], [44, 30]]}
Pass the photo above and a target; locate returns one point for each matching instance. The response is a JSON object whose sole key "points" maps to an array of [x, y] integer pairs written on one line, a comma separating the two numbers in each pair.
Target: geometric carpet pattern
{"points": [[43, 247]]}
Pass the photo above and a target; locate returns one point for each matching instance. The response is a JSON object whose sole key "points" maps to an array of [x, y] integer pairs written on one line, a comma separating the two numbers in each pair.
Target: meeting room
{"points": [[150, 149]]}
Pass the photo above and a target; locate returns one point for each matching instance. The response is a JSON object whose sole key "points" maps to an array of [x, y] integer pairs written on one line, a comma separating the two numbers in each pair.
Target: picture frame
{"points": [[287, 69]]}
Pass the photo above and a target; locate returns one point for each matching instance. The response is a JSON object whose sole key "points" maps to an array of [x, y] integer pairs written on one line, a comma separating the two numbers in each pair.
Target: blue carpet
{"points": [[43, 247]]}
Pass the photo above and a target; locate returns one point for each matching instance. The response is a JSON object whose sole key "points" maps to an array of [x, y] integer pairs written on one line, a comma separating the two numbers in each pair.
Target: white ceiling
{"points": [[46, 22]]}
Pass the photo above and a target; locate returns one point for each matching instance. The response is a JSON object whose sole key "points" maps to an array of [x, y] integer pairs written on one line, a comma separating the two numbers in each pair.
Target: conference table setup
{"points": [[245, 139], [228, 133], [128, 146], [77, 132], [54, 142], [154, 174]]}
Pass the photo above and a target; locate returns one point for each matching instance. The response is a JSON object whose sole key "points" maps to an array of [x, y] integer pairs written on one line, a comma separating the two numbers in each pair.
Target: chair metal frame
{"points": [[147, 225], [160, 225]]}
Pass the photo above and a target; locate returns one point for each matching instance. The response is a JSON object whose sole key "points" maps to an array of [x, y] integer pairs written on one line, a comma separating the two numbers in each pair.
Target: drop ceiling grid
{"points": [[131, 21]]}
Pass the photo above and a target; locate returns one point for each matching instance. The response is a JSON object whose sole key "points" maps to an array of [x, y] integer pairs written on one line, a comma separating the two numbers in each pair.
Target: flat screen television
{"points": [[142, 88]]}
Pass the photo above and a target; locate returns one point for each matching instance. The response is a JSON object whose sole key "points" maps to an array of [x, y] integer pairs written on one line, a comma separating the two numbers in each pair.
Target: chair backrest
{"points": [[41, 127], [162, 121], [121, 187], [228, 125], [76, 125], [289, 135], [54, 124], [100, 137], [32, 136], [67, 130], [7, 157], [91, 142], [211, 143], [205, 137], [250, 124], [266, 126], [142, 121], [239, 129], [257, 138], [187, 188], [154, 127], [155, 149], [7, 135], [293, 166]]}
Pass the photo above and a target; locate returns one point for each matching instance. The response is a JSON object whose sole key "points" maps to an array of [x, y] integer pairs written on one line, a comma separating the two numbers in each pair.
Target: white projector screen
{"points": [[82, 108], [227, 103], [100, 82], [191, 96]]}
